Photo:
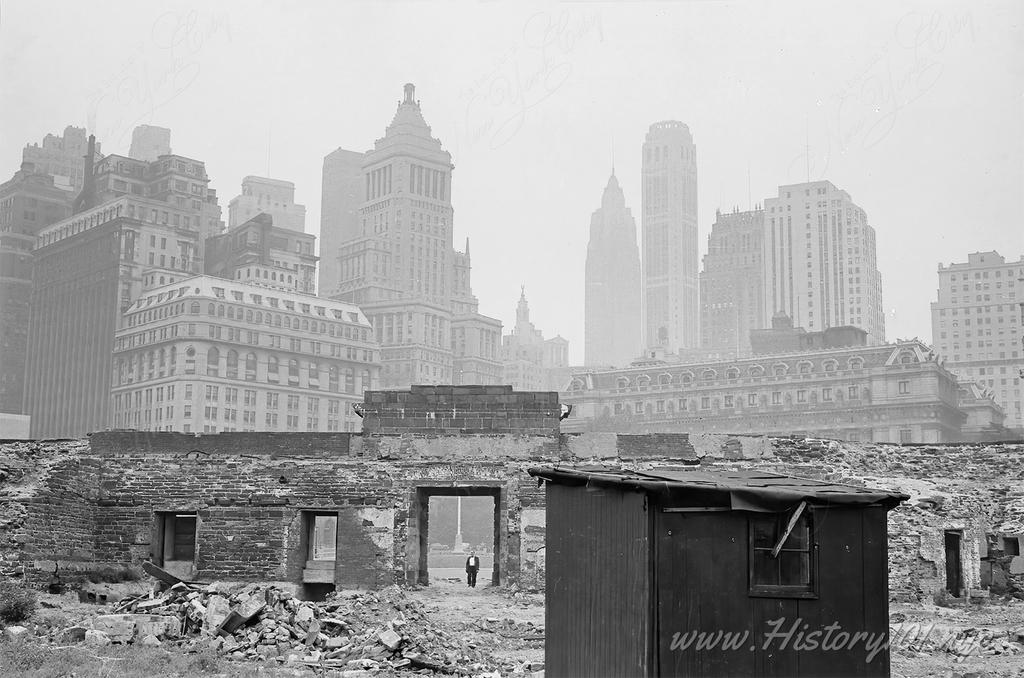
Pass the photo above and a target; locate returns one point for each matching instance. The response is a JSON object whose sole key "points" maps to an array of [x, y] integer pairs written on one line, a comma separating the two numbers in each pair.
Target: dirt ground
{"points": [[928, 641]]}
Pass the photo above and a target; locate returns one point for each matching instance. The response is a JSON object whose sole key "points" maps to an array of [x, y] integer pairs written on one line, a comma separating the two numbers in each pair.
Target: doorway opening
{"points": [[954, 575], [452, 522], [174, 543]]}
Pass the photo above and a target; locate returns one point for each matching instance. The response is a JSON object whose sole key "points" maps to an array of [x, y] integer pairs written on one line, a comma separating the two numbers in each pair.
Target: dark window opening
{"points": [[174, 544], [954, 578], [789, 573]]}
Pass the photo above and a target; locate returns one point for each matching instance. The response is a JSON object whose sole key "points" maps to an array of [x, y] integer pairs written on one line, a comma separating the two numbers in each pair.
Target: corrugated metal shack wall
{"points": [[703, 588], [598, 583]]}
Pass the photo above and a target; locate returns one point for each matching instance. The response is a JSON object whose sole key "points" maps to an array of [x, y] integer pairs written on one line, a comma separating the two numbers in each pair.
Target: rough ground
{"points": [[929, 641]]}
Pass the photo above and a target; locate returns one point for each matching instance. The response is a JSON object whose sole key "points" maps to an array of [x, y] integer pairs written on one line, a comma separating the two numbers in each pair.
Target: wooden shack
{"points": [[679, 572]]}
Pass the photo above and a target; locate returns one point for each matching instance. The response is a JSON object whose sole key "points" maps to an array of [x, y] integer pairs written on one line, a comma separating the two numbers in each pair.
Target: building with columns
{"points": [[978, 326], [612, 314], [671, 302], [403, 270], [732, 282], [821, 268], [210, 355], [895, 393]]}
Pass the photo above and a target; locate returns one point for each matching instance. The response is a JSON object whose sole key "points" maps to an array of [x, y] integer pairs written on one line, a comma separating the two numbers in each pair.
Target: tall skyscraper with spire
{"points": [[402, 268], [612, 305], [670, 247]]}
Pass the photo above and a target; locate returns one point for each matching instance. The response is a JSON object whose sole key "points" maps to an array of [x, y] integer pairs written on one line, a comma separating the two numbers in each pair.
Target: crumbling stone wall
{"points": [[47, 500], [91, 503]]}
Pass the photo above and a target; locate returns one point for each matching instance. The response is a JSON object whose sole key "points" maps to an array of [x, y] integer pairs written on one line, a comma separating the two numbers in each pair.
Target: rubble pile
{"points": [[962, 642], [351, 630]]}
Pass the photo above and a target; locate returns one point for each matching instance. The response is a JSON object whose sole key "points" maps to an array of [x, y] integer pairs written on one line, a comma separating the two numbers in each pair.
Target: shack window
{"points": [[785, 571]]}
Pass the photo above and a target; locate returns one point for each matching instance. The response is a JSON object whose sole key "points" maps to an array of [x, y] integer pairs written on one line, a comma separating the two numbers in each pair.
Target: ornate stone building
{"points": [[402, 268], [613, 318], [896, 393], [208, 355], [671, 304]]}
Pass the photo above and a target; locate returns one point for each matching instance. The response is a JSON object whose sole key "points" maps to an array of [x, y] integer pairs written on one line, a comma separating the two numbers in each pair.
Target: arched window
{"points": [[756, 371], [350, 381], [195, 308], [805, 367], [231, 313], [293, 371], [732, 373], [211, 309], [830, 365], [272, 368], [643, 382], [622, 382], [232, 366], [213, 362], [250, 366], [333, 379], [708, 375], [855, 363], [277, 321], [664, 379], [220, 310], [780, 369]]}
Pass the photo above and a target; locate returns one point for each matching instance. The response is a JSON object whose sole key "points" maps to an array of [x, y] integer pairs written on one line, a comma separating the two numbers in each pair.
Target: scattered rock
{"points": [[15, 632]]}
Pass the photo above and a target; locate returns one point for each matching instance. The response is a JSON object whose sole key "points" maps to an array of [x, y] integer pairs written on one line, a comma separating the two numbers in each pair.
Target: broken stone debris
{"points": [[353, 631]]}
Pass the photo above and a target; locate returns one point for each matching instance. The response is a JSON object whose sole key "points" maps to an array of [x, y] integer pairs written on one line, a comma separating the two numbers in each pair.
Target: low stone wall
{"points": [[89, 504]]}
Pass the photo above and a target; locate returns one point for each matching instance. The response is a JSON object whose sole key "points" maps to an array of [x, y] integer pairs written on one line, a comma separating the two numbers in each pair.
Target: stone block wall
{"points": [[86, 504]]}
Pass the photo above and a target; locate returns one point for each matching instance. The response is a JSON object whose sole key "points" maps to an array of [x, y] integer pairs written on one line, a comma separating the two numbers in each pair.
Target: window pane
{"points": [[764, 568], [764, 532], [795, 568], [798, 538]]}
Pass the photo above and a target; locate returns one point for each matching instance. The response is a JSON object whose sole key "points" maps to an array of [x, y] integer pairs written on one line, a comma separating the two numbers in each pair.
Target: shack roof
{"points": [[739, 490]]}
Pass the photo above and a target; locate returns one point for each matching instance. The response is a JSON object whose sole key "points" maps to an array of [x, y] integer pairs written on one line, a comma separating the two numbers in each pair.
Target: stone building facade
{"points": [[261, 195], [732, 282], [820, 259], [670, 255], [259, 252], [62, 157], [29, 202], [978, 326], [402, 268], [209, 355], [612, 305], [896, 393], [529, 361], [247, 500]]}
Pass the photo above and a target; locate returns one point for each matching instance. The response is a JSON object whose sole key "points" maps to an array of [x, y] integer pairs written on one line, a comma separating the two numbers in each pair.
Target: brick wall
{"points": [[86, 504], [461, 409]]}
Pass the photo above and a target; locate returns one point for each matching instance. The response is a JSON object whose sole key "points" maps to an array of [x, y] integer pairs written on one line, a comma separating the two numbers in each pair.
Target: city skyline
{"points": [[942, 61]]}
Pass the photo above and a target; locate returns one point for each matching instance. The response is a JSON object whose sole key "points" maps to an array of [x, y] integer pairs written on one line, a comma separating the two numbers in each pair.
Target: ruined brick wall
{"points": [[47, 500], [89, 503]]}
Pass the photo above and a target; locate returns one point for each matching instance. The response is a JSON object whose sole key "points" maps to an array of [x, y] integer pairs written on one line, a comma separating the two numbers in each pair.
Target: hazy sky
{"points": [[915, 109]]}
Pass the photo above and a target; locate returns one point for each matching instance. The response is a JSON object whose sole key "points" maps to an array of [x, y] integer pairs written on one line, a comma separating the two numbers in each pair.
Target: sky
{"points": [[916, 109]]}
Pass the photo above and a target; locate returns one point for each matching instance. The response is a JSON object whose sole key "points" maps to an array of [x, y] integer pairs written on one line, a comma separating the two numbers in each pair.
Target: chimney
{"points": [[87, 198]]}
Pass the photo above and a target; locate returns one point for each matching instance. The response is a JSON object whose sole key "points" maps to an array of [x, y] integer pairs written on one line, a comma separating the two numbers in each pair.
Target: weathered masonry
{"points": [[264, 505]]}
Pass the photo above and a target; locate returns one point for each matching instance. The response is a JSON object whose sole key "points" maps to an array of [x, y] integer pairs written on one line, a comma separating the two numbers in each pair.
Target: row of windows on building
{"points": [[163, 363], [983, 275], [828, 394], [234, 335]]}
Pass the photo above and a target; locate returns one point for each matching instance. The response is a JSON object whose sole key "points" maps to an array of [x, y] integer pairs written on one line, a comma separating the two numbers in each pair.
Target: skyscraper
{"points": [[820, 261], [531, 362], [670, 248], [341, 197], [977, 326], [732, 282], [612, 304], [62, 157], [135, 226], [29, 201], [403, 270]]}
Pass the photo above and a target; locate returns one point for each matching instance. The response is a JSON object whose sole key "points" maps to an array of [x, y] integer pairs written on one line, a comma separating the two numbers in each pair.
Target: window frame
{"points": [[807, 591]]}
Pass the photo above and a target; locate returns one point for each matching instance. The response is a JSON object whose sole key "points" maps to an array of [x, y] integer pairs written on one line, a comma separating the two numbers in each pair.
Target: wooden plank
{"points": [[160, 573], [702, 595], [789, 528], [876, 585]]}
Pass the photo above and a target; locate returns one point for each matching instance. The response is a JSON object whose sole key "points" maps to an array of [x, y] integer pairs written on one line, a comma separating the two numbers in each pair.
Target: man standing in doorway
{"points": [[472, 566]]}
